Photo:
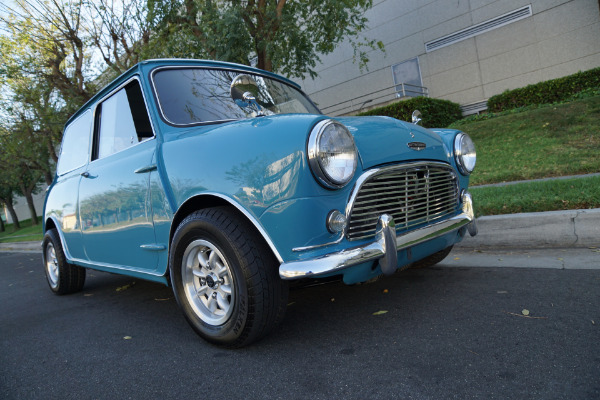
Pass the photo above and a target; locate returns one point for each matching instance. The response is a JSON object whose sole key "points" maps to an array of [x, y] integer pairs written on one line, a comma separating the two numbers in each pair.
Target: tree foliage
{"points": [[285, 36], [57, 54]]}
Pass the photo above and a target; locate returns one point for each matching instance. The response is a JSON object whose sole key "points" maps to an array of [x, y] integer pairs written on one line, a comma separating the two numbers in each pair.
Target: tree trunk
{"points": [[13, 215], [29, 198], [48, 177], [2, 229]]}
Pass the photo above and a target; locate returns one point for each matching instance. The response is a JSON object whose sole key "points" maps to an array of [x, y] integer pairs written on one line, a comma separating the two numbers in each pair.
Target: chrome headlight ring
{"points": [[332, 154], [464, 153]]}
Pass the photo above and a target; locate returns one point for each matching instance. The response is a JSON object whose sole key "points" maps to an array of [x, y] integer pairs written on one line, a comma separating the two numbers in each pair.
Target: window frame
{"points": [[97, 113], [396, 83], [221, 68], [90, 140]]}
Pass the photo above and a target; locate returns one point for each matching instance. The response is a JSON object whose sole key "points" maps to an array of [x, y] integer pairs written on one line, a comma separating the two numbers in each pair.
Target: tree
{"points": [[48, 72], [6, 198], [18, 177], [2, 228], [285, 36]]}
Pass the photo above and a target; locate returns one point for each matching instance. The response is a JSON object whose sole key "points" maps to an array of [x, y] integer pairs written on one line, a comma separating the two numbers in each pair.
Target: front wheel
{"points": [[225, 279]]}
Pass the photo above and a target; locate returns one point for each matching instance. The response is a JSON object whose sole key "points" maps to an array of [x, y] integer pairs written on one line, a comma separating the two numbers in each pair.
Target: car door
{"points": [[61, 203], [114, 194]]}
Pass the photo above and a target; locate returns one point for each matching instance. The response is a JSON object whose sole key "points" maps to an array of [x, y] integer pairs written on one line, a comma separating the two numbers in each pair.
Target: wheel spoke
{"points": [[222, 301], [202, 291], [225, 289], [202, 258], [198, 273], [212, 304], [221, 270], [213, 260]]}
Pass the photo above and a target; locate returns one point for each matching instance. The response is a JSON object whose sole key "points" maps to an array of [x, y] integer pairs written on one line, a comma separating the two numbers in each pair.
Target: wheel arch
{"points": [[50, 224], [53, 223], [208, 200]]}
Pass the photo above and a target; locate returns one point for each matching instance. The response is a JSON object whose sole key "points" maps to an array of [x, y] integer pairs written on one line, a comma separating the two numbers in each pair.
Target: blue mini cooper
{"points": [[226, 182]]}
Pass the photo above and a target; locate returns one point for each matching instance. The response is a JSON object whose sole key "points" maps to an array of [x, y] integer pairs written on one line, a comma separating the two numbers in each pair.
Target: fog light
{"points": [[336, 222]]}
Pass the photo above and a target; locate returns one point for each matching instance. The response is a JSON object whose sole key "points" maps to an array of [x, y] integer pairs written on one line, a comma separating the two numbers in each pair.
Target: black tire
{"points": [[62, 277], [240, 297], [432, 259]]}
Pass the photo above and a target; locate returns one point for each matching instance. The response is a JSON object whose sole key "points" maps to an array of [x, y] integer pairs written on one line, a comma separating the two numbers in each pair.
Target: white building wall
{"points": [[22, 209], [561, 37]]}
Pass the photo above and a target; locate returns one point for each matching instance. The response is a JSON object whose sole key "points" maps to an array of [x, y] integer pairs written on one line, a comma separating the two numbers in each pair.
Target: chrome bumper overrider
{"points": [[384, 248]]}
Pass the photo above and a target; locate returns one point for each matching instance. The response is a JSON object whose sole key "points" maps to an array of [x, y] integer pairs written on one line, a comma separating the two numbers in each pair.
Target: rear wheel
{"points": [[432, 259], [62, 277], [225, 278]]}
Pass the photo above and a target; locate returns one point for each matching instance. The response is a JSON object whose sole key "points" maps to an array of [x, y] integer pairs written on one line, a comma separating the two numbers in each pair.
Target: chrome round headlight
{"points": [[464, 152], [332, 154]]}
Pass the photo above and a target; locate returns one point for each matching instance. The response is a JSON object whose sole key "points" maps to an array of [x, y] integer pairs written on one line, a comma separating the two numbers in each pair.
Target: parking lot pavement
{"points": [[455, 332]]}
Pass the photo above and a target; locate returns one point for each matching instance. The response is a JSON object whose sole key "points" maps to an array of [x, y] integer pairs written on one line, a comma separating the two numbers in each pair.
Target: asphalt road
{"points": [[448, 333]]}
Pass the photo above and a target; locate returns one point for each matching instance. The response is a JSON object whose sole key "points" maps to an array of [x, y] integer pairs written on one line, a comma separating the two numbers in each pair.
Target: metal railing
{"points": [[409, 90], [380, 96]]}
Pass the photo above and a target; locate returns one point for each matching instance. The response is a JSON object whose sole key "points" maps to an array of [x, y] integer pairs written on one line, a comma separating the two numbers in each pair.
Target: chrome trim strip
{"points": [[336, 241], [377, 249], [154, 247]]}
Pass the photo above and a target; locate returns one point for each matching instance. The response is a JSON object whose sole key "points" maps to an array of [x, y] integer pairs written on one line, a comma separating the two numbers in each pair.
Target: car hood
{"points": [[383, 140]]}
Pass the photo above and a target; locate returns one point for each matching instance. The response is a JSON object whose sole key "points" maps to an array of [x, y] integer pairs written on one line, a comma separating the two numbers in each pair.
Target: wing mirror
{"points": [[244, 91], [416, 117]]}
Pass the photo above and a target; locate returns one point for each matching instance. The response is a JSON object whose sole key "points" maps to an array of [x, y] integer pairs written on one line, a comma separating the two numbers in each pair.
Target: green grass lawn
{"points": [[26, 233], [545, 142], [563, 194], [550, 141]]}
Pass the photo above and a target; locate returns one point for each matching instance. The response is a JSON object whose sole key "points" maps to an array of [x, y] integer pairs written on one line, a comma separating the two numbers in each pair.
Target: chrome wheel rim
{"points": [[51, 265], [208, 282]]}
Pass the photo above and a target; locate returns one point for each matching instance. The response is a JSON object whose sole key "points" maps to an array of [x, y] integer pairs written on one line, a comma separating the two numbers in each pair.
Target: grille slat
{"points": [[413, 195], [389, 209]]}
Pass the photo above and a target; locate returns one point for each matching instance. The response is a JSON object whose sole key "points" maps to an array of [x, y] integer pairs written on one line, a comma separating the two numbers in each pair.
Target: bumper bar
{"points": [[385, 247]]}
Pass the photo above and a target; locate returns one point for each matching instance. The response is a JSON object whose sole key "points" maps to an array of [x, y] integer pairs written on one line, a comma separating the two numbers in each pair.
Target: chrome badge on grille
{"points": [[418, 146]]}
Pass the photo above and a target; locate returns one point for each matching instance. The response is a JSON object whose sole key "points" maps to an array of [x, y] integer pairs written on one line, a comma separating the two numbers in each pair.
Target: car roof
{"points": [[148, 65]]}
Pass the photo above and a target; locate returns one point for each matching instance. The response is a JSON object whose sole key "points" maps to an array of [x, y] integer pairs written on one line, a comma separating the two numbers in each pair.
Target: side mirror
{"points": [[244, 91], [416, 117]]}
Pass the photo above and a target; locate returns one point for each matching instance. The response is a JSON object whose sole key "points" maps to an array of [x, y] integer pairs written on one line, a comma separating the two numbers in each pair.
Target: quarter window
{"points": [[122, 121], [76, 144]]}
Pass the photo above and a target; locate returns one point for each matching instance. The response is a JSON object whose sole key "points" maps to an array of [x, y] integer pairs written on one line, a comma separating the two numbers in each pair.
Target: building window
{"points": [[407, 79]]}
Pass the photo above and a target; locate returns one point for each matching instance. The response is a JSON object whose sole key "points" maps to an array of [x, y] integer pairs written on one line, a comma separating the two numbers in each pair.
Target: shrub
{"points": [[546, 92], [436, 113]]}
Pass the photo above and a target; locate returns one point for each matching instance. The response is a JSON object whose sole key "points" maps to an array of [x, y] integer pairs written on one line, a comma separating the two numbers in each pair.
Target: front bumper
{"points": [[385, 247]]}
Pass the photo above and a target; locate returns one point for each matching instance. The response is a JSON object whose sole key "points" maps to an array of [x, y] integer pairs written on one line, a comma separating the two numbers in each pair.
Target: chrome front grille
{"points": [[414, 195]]}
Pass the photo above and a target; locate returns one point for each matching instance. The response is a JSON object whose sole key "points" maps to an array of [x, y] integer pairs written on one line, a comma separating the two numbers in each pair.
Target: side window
{"points": [[121, 121], [75, 144]]}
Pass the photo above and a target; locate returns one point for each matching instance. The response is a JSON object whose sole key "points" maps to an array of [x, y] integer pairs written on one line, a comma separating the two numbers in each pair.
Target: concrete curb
{"points": [[22, 247], [572, 228]]}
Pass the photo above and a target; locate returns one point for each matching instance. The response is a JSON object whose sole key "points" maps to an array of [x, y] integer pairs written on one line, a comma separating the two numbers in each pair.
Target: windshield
{"points": [[194, 95]]}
